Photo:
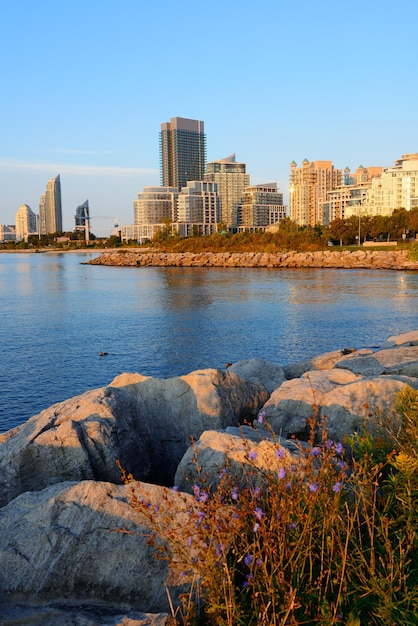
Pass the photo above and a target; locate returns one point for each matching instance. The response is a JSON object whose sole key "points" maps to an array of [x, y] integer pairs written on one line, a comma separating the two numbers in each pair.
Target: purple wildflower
{"points": [[219, 549], [175, 488], [315, 451], [204, 497], [313, 487], [234, 493], [261, 416], [252, 455], [256, 527], [292, 526], [248, 559], [189, 541], [329, 444], [257, 492], [259, 513], [280, 453], [281, 472], [337, 487], [339, 448], [196, 490]]}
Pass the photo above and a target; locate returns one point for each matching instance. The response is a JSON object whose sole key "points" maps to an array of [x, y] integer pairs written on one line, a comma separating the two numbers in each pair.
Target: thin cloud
{"points": [[78, 170]]}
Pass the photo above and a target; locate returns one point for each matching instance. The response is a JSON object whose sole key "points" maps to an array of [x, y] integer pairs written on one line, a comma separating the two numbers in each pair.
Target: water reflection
{"points": [[58, 315]]}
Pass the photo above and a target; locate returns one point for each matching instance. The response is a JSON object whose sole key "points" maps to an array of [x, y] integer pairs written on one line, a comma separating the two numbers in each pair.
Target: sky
{"points": [[86, 84]]}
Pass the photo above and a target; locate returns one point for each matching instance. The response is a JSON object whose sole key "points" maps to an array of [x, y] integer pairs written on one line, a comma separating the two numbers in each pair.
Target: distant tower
{"points": [[182, 151], [26, 223], [82, 219], [50, 208]]}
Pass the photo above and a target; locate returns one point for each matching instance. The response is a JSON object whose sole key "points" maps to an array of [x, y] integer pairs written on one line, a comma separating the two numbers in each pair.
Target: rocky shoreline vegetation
{"points": [[72, 548], [358, 259]]}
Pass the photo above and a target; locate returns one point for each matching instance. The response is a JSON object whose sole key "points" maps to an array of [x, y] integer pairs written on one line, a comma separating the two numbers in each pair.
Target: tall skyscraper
{"points": [[232, 181], [50, 208], [309, 185], [26, 223], [182, 151]]}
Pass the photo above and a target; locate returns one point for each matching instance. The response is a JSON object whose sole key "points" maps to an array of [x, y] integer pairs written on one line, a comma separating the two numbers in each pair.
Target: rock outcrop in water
{"points": [[72, 549], [359, 259]]}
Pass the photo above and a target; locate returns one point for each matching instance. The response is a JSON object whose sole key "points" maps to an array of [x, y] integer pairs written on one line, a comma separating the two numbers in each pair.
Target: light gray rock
{"points": [[368, 402], [397, 360], [82, 544], [296, 401], [144, 423], [79, 439], [405, 339], [180, 409], [205, 461], [324, 361], [259, 371]]}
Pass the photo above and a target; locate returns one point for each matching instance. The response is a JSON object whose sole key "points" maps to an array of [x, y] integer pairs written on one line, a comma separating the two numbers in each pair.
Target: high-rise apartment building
{"points": [[198, 208], [50, 208], [182, 151], [309, 185], [396, 188], [262, 205], [26, 223], [232, 181]]}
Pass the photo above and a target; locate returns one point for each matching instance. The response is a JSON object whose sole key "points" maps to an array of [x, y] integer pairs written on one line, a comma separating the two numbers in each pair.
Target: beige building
{"points": [[396, 188], [198, 205], [156, 205], [232, 181], [308, 189], [26, 223], [50, 208], [262, 205]]}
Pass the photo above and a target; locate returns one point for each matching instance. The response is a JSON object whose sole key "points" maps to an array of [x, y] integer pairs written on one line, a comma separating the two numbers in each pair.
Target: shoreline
{"points": [[322, 259]]}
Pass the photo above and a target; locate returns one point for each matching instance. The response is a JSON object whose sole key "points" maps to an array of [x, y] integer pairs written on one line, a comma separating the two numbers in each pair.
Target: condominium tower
{"points": [[232, 181], [309, 185], [26, 223], [182, 151], [50, 208], [262, 205]]}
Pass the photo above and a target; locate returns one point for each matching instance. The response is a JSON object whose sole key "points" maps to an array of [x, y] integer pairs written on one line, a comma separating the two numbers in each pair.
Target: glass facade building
{"points": [[182, 151]]}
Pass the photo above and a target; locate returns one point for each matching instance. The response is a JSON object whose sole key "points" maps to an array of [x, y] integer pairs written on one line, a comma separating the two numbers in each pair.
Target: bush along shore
{"points": [[258, 494], [364, 259]]}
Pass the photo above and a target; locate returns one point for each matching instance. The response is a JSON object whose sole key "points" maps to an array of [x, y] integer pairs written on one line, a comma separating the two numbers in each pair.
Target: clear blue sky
{"points": [[85, 85]]}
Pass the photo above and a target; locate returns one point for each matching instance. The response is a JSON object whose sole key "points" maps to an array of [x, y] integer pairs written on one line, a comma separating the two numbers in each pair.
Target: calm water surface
{"points": [[57, 315]]}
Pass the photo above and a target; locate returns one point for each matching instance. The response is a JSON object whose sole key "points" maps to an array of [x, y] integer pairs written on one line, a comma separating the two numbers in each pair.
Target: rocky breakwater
{"points": [[72, 549], [359, 259]]}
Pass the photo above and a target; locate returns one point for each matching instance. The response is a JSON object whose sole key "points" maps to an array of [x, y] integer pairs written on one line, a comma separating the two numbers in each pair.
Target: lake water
{"points": [[58, 314]]}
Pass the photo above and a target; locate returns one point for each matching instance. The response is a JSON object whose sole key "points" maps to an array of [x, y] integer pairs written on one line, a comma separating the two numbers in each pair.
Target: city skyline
{"points": [[288, 82]]}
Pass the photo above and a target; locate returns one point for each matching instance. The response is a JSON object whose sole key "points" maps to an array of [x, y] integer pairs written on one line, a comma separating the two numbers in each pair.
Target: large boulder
{"points": [[144, 423], [343, 404], [397, 360], [81, 544], [244, 451], [291, 406], [324, 361], [268, 374], [79, 439], [180, 409]]}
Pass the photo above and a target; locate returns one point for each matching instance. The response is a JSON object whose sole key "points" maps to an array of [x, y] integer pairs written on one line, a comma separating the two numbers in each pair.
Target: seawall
{"points": [[359, 259]]}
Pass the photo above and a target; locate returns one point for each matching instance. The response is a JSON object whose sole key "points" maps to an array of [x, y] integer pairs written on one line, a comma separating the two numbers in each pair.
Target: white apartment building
{"points": [[26, 223], [198, 203], [396, 188]]}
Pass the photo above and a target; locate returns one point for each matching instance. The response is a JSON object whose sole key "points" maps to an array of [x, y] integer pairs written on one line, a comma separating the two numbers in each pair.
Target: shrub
{"points": [[331, 538]]}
